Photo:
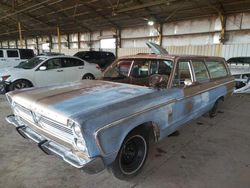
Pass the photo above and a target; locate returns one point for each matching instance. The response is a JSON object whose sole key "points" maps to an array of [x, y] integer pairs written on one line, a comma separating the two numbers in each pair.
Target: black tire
{"points": [[88, 77], [19, 84], [131, 157], [213, 112]]}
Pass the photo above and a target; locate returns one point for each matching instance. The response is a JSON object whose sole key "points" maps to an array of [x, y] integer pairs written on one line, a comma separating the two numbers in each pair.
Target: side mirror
{"points": [[42, 68], [188, 82], [158, 81]]}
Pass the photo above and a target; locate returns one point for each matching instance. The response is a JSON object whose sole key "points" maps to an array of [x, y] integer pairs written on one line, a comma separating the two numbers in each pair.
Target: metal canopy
{"points": [[41, 17]]}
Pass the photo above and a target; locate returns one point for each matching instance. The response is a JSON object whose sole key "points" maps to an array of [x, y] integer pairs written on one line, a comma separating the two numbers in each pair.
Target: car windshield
{"points": [[31, 63], [119, 70]]}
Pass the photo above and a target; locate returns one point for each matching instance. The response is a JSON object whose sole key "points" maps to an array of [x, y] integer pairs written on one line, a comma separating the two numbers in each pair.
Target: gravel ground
{"points": [[207, 153]]}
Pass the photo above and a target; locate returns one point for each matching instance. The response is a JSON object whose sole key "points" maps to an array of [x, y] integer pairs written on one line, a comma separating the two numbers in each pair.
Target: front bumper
{"points": [[88, 165]]}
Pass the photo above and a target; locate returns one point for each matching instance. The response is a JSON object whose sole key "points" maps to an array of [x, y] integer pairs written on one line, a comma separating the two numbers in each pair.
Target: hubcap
{"points": [[20, 85]]}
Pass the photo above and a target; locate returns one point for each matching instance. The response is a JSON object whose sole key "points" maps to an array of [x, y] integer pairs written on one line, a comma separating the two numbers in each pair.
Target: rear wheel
{"points": [[88, 77], [213, 112], [19, 84], [131, 157]]}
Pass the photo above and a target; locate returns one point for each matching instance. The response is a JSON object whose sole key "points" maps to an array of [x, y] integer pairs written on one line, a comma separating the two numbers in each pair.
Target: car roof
{"points": [[170, 56], [57, 56], [15, 49]]}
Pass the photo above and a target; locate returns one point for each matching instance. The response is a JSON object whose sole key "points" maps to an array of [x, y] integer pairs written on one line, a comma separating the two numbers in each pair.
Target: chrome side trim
{"points": [[205, 90]]}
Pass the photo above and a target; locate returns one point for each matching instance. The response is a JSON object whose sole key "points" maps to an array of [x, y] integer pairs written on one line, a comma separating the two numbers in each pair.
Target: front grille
{"points": [[44, 122], [48, 124]]}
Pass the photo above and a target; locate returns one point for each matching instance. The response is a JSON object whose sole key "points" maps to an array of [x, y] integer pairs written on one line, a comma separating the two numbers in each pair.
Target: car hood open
{"points": [[157, 49]]}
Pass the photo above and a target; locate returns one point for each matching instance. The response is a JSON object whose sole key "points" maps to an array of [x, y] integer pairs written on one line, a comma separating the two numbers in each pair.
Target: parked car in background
{"points": [[96, 124], [50, 54], [10, 57], [103, 59], [240, 69], [47, 70]]}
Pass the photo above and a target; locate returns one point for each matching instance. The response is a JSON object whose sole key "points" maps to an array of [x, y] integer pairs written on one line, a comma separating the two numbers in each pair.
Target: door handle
{"points": [[80, 67], [59, 70]]}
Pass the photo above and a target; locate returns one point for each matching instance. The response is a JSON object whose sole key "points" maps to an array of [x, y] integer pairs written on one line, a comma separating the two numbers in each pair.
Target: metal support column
{"points": [[117, 42], [223, 26], [78, 40], [20, 34], [8, 43], [59, 39], [37, 46], [50, 43], [26, 43], [68, 41], [16, 41], [160, 34]]}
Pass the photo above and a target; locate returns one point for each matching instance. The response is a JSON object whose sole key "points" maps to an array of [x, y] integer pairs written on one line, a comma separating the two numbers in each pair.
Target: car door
{"points": [[13, 57], [53, 73], [187, 106], [73, 69], [2, 59]]}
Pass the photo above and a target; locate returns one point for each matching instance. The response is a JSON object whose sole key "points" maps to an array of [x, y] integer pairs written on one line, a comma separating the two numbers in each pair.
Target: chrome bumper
{"points": [[90, 166]]}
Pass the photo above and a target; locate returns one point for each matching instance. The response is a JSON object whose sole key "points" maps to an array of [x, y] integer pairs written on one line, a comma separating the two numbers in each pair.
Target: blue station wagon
{"points": [[98, 124]]}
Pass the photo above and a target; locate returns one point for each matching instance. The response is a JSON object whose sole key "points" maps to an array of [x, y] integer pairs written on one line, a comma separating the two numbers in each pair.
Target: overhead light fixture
{"points": [[151, 23]]}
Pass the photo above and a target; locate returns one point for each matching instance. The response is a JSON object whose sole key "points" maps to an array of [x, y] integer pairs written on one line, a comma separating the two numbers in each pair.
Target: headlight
{"points": [[9, 99], [79, 141], [76, 128], [5, 77], [80, 144]]}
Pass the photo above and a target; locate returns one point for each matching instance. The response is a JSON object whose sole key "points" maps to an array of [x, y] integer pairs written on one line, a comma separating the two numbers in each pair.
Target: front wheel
{"points": [[88, 77], [131, 157], [19, 84]]}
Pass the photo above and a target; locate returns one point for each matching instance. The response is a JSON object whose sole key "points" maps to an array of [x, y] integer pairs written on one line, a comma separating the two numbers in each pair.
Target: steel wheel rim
{"points": [[133, 154], [20, 85]]}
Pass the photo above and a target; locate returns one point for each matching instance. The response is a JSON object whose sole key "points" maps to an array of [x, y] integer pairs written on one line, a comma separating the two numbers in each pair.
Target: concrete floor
{"points": [[207, 153]]}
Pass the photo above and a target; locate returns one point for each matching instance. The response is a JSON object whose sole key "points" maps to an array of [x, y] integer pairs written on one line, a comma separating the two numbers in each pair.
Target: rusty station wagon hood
{"points": [[62, 101]]}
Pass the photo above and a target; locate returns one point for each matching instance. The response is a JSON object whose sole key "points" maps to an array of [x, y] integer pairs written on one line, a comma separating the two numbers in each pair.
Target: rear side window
{"points": [[1, 53], [216, 68], [54, 63], [71, 62], [26, 53], [12, 53], [200, 71]]}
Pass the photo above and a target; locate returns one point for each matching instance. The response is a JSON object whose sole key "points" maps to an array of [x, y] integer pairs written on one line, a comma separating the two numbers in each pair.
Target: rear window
{"points": [[216, 68], [12, 53], [1, 53], [26, 53]]}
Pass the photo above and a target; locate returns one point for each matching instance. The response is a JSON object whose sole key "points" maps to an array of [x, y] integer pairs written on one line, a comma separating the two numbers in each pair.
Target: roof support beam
{"points": [[65, 16], [103, 16], [150, 4]]}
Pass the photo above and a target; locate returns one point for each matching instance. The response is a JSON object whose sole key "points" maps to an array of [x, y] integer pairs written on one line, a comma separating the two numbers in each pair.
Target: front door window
{"points": [[183, 74]]}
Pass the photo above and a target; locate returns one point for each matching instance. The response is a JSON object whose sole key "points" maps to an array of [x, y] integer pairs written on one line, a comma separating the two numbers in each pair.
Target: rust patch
{"points": [[189, 106]]}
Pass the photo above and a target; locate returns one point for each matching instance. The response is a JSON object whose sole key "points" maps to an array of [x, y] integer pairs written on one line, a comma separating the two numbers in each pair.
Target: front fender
{"points": [[110, 137]]}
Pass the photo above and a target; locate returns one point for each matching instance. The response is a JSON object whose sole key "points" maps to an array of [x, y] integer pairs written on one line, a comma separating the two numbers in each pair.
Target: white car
{"points": [[12, 57], [47, 70]]}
